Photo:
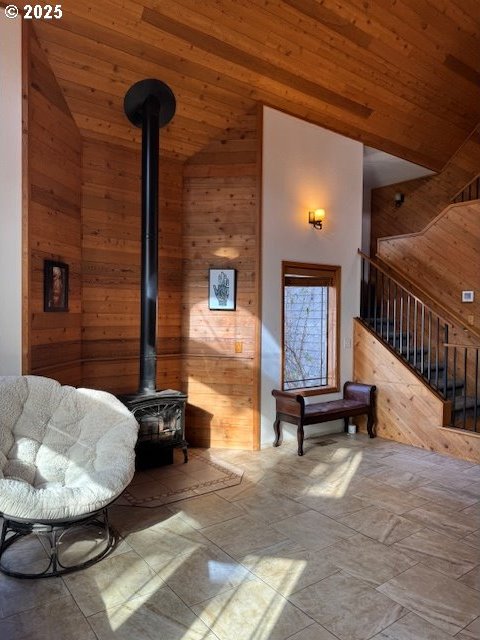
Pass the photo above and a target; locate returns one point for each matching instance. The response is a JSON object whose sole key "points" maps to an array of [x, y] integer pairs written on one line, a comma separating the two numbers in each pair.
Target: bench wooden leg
{"points": [[370, 423], [300, 438], [346, 422], [278, 433]]}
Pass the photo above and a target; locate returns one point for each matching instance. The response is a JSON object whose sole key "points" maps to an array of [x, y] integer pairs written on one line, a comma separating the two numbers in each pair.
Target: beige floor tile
{"points": [[381, 525], [314, 632], [440, 552], [448, 463], [81, 544], [160, 543], [289, 485], [446, 498], [439, 599], [404, 480], [203, 511], [367, 559], [58, 620], [112, 582], [214, 485], [416, 464], [345, 486], [450, 479], [27, 554], [252, 610], [474, 512], [18, 595], [472, 578], [203, 574], [139, 477], [472, 632], [127, 519], [332, 506], [473, 472], [451, 523], [386, 497], [159, 615], [412, 627], [313, 530], [206, 475], [269, 506], [235, 492], [148, 489], [289, 571], [347, 607], [473, 539], [243, 535]]}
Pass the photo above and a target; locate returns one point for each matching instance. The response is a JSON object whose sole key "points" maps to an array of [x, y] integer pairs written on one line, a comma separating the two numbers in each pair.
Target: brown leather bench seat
{"points": [[358, 399]]}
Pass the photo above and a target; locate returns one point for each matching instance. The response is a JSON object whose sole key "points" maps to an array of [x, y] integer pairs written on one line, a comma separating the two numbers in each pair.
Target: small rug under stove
{"points": [[203, 473]]}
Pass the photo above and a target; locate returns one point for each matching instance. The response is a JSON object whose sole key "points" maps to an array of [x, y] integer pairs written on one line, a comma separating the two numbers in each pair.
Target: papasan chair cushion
{"points": [[64, 452]]}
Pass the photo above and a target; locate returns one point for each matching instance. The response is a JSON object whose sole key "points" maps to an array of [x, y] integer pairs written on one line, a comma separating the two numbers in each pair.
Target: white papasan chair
{"points": [[65, 455]]}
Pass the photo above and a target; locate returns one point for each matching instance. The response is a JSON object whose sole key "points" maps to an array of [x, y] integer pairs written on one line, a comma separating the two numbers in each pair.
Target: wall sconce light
{"points": [[399, 199], [316, 218]]}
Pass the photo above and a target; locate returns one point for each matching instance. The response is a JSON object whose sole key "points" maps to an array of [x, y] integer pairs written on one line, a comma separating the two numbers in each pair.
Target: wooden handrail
{"points": [[461, 346], [450, 316]]}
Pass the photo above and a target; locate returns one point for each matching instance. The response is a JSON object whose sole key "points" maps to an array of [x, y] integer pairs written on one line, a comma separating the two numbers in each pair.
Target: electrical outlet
{"points": [[471, 319], [347, 343], [238, 347]]}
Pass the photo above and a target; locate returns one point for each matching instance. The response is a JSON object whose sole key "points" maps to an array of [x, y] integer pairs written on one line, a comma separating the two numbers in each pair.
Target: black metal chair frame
{"points": [[13, 529]]}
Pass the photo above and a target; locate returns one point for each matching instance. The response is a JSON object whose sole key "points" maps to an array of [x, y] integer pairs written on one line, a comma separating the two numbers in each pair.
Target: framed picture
{"points": [[55, 286], [468, 296], [222, 289]]}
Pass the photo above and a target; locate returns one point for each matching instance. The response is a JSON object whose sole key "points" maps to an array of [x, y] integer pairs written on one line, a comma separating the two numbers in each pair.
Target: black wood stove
{"points": [[150, 104]]}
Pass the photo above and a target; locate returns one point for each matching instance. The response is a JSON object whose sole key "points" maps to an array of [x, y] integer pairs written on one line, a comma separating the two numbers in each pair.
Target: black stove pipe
{"points": [[149, 104], [149, 283]]}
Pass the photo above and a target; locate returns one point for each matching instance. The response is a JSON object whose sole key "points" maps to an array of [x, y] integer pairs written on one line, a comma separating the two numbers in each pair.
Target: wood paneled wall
{"points": [[443, 259], [111, 268], [52, 190], [407, 410], [222, 230], [425, 197]]}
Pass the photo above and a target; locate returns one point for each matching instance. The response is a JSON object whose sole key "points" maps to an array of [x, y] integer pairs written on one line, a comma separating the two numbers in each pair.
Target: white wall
{"points": [[10, 195], [366, 219], [306, 167]]}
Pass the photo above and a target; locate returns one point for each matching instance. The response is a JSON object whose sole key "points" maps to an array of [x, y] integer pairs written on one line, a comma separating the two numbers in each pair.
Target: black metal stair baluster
{"points": [[388, 312], [465, 387], [437, 352], [408, 327], [476, 397], [401, 321], [422, 341], [454, 378], [415, 331], [362, 289], [369, 294], [429, 348], [446, 360], [381, 307]]}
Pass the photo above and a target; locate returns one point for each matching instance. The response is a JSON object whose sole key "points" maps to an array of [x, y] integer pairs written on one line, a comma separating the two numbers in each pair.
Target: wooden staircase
{"points": [[419, 337]]}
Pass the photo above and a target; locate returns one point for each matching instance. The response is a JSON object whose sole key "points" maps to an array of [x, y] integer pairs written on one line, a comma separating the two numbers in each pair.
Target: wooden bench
{"points": [[358, 399]]}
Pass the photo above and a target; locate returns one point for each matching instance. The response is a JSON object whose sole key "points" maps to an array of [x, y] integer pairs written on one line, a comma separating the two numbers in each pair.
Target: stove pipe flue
{"points": [[149, 104]]}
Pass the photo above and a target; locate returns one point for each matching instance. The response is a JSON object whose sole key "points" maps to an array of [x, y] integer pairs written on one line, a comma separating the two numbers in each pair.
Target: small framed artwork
{"points": [[468, 296], [55, 286], [222, 289]]}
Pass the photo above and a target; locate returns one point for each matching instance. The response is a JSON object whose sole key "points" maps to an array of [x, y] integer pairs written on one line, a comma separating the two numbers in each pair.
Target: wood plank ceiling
{"points": [[399, 75]]}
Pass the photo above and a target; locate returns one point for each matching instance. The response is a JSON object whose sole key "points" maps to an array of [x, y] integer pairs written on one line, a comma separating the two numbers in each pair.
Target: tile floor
{"points": [[358, 539]]}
